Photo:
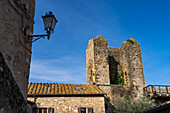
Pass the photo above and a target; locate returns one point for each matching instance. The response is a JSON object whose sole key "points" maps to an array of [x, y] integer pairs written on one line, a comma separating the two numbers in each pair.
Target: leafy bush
{"points": [[120, 78], [131, 41], [130, 105]]}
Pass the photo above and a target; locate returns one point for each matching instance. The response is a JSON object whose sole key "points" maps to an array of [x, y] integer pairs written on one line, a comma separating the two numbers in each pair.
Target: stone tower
{"points": [[104, 63], [97, 61], [16, 15]]}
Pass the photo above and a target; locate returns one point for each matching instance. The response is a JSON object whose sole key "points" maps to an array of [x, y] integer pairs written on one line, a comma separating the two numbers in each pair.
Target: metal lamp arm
{"points": [[38, 37]]}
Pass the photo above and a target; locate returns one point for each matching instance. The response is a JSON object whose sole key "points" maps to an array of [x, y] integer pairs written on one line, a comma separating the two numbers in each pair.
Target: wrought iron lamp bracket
{"points": [[33, 38]]}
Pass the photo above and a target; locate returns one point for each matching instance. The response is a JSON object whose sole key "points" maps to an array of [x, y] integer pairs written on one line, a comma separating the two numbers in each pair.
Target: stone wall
{"points": [[70, 104], [90, 63], [132, 66], [106, 62], [116, 91], [13, 46], [101, 64], [11, 98], [107, 89], [97, 64]]}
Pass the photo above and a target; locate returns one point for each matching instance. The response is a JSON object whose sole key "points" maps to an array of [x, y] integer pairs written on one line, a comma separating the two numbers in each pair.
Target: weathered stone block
{"points": [[11, 98], [17, 57], [104, 63]]}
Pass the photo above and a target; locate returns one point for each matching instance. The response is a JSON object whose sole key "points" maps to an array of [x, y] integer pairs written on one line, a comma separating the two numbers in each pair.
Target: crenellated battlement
{"points": [[107, 65]]}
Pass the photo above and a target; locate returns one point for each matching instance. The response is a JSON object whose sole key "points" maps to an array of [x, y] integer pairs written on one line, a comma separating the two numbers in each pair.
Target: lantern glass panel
{"points": [[47, 22], [53, 23]]}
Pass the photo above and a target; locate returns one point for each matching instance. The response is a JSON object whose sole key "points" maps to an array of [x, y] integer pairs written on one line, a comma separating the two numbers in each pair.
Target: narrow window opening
{"points": [[125, 73], [50, 110], [81, 110], [90, 110], [42, 110], [85, 110]]}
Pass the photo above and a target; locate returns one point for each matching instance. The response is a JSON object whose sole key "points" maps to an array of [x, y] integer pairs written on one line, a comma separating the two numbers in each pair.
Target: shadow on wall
{"points": [[108, 106], [113, 71], [11, 98]]}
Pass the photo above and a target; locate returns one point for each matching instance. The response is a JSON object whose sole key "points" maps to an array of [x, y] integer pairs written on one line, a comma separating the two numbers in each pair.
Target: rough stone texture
{"points": [[16, 55], [11, 99], [70, 104], [90, 62], [107, 89], [103, 63], [116, 91], [97, 61], [131, 62]]}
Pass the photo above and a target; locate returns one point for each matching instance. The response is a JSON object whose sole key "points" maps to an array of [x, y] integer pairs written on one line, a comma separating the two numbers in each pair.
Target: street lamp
{"points": [[49, 23]]}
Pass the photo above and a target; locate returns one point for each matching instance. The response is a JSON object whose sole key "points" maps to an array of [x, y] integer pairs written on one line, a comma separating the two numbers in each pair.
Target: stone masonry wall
{"points": [[11, 98], [97, 64], [107, 89], [115, 92], [131, 62], [101, 64], [90, 63], [13, 18], [70, 104], [108, 61]]}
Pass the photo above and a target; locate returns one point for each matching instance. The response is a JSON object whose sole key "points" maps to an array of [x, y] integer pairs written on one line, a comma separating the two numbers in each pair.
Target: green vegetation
{"points": [[130, 105], [108, 99], [107, 59], [131, 41], [120, 78]]}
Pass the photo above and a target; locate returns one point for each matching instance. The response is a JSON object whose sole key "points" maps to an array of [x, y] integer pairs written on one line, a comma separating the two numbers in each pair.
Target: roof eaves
{"points": [[66, 95]]}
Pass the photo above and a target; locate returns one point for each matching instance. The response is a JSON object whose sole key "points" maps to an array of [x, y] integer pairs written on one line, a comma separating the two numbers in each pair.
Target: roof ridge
{"points": [[53, 83], [61, 89]]}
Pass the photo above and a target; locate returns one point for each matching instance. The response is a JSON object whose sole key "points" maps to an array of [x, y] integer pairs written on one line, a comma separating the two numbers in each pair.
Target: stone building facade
{"points": [[11, 98], [70, 104], [104, 64], [15, 16], [67, 98]]}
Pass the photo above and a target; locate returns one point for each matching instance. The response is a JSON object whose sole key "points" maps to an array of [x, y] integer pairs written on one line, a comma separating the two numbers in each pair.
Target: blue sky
{"points": [[62, 58]]}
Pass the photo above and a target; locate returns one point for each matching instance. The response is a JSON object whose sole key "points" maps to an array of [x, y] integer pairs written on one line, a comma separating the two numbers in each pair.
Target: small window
{"points": [[90, 110], [82, 110], [50, 110], [34, 110], [125, 73], [42, 110], [90, 78], [85, 110]]}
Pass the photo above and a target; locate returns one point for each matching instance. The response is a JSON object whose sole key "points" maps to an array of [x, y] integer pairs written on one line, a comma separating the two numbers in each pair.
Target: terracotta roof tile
{"points": [[62, 89]]}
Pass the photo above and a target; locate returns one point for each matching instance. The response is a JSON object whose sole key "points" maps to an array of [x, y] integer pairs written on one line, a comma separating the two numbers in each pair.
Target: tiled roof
{"points": [[62, 89], [160, 107]]}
